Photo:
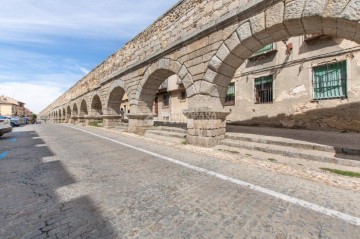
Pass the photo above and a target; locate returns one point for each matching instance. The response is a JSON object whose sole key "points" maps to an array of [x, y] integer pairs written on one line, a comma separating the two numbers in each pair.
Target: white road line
{"points": [[323, 210]]}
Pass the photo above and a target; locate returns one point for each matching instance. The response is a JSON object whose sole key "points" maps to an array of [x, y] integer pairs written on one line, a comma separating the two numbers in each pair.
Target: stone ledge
{"points": [[206, 113], [112, 117]]}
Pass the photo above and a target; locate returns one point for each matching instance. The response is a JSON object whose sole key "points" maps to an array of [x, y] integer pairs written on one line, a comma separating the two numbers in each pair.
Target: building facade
{"points": [[12, 107], [170, 101], [309, 82]]}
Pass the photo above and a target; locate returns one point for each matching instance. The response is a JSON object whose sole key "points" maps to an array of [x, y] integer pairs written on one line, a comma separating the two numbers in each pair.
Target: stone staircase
{"points": [[167, 134], [272, 146]]}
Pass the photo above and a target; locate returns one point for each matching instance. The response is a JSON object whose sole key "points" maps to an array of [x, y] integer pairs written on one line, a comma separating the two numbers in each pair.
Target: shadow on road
{"points": [[29, 176]]}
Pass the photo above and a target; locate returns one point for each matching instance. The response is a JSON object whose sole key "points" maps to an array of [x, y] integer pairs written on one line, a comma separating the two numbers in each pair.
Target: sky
{"points": [[46, 46]]}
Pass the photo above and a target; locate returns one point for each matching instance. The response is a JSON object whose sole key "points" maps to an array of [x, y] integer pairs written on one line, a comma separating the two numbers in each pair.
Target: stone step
{"points": [[123, 127], [270, 140], [287, 151], [166, 136], [171, 129]]}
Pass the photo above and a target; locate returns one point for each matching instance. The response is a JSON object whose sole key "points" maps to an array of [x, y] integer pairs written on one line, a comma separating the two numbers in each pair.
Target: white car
{"points": [[5, 126]]}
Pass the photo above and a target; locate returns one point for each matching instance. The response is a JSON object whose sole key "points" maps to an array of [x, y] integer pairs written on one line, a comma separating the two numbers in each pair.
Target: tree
{"points": [[33, 118]]}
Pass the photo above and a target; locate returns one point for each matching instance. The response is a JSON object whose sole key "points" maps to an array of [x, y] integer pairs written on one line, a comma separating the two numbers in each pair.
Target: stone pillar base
{"points": [[139, 123], [91, 119], [73, 120], [206, 127], [81, 120], [110, 121]]}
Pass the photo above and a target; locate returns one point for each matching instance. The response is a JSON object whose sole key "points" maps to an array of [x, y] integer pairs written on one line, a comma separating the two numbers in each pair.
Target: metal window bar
{"points": [[330, 81], [265, 49], [166, 99], [264, 90], [230, 95]]}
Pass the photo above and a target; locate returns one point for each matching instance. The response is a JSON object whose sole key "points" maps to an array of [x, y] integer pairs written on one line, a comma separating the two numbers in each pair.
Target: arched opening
{"points": [[83, 108], [287, 20], [59, 116], [154, 89], [297, 74], [96, 106], [164, 95], [259, 32], [68, 112], [64, 114], [115, 100], [75, 110]]}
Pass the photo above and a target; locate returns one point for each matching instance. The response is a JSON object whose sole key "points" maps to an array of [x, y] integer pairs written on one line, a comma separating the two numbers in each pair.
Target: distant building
{"points": [[170, 101], [13, 107]]}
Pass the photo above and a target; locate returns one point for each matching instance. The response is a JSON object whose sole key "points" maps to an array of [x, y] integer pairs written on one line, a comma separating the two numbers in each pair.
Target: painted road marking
{"points": [[317, 208], [3, 155]]}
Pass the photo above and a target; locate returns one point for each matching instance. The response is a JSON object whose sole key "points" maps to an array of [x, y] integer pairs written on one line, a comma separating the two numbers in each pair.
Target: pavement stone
{"points": [[81, 186]]}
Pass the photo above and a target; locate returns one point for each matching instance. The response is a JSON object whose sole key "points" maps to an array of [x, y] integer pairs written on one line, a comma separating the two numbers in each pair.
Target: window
{"points": [[230, 95], [166, 99], [265, 49], [183, 95], [330, 81], [310, 37], [264, 90]]}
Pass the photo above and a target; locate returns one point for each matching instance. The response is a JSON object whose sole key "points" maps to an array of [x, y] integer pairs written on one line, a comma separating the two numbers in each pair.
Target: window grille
{"points": [[330, 81], [183, 95], [230, 95], [166, 99], [264, 90]]}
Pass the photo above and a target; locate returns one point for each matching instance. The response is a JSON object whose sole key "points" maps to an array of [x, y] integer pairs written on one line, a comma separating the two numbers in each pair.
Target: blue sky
{"points": [[46, 46]]}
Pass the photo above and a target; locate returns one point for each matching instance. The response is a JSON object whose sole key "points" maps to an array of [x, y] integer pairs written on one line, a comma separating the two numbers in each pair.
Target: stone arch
{"points": [[154, 76], [279, 22], [68, 112], [96, 106], [83, 108], [64, 113], [75, 111], [115, 96]]}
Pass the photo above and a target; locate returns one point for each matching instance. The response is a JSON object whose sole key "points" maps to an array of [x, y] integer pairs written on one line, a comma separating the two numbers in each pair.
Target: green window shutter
{"points": [[265, 49], [330, 81], [231, 89], [263, 80]]}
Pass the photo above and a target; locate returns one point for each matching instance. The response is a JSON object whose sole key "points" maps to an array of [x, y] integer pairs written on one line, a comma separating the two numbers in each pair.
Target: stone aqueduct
{"points": [[203, 42]]}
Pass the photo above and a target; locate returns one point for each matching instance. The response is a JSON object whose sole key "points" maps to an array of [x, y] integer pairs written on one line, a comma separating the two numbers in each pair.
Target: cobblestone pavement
{"points": [[59, 182]]}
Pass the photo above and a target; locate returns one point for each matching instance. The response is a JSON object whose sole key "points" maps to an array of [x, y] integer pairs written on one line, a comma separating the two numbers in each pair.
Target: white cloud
{"points": [[36, 20], [36, 95], [39, 77]]}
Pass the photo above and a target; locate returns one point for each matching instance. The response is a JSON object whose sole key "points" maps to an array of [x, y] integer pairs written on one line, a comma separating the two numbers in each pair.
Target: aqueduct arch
{"points": [[83, 108], [96, 106], [146, 91], [115, 95], [68, 114], [75, 111], [63, 115], [278, 23], [59, 116], [205, 55]]}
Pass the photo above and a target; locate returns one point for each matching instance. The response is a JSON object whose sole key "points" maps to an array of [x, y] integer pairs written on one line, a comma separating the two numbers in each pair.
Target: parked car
{"points": [[5, 126], [15, 121]]}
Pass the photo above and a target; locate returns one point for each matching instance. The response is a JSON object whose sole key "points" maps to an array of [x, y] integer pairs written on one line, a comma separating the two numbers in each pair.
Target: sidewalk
{"points": [[330, 138]]}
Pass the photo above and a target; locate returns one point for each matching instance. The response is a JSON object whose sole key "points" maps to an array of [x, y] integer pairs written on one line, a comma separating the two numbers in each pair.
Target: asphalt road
{"points": [[61, 182]]}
